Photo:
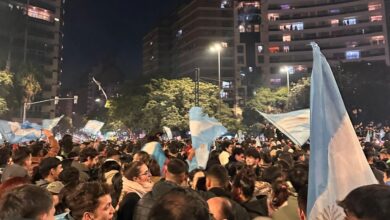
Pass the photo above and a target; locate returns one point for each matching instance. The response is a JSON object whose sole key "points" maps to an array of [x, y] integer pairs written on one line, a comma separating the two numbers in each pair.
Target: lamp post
{"points": [[217, 47], [285, 70]]}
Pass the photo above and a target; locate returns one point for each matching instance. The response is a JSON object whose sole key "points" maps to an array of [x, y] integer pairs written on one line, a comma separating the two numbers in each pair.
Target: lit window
{"points": [[376, 18], [285, 7], [380, 39], [352, 44], [260, 49], [249, 28], [334, 11], [273, 17], [151, 43], [285, 27], [286, 38], [179, 33], [250, 69], [273, 49], [352, 54], [241, 28], [334, 22], [374, 7], [257, 28], [349, 21], [298, 26], [227, 84], [39, 13], [225, 4], [286, 49]]}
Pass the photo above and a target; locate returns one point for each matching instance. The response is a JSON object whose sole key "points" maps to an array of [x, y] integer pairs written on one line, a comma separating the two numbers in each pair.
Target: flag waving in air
{"points": [[337, 163], [204, 130]]}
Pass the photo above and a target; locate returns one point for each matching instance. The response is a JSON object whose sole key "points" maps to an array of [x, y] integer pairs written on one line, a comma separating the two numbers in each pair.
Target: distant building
{"points": [[266, 39], [37, 40]]}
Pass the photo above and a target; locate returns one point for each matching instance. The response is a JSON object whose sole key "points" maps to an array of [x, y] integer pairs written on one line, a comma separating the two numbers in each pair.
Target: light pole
{"points": [[285, 70], [217, 47]]}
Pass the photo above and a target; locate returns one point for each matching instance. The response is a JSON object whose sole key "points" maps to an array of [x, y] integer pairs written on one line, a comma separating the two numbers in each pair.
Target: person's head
{"points": [[5, 155], [50, 168], [142, 156], [252, 157], [298, 176], [180, 203], [154, 168], [370, 154], [13, 183], [238, 154], [89, 156], [217, 176], [386, 177], [281, 193], [113, 153], [176, 171], [367, 202], [220, 208], [69, 175], [22, 157], [137, 171], [55, 188], [384, 154], [194, 176], [27, 201], [90, 201], [244, 184], [227, 146]]}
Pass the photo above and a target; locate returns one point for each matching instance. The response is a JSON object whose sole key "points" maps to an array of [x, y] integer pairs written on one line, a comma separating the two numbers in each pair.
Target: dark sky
{"points": [[99, 29]]}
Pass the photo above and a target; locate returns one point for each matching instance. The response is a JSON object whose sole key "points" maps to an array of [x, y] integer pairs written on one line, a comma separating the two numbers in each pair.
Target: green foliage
{"points": [[269, 100], [299, 96], [30, 79], [163, 102], [6, 83]]}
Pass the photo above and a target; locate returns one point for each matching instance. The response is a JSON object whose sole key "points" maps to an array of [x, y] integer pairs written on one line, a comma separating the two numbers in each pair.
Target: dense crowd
{"points": [[103, 180]]}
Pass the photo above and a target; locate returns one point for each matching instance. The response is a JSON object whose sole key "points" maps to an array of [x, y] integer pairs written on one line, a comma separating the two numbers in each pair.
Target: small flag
{"points": [[93, 127], [335, 148], [168, 132], [295, 124], [154, 149], [49, 124], [204, 130]]}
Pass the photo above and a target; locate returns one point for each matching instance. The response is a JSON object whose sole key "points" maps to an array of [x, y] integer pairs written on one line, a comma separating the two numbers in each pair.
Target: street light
{"points": [[217, 47], [285, 69]]}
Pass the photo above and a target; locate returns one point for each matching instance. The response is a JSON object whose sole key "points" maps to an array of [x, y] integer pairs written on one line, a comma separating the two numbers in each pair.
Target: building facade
{"points": [[268, 39], [36, 41]]}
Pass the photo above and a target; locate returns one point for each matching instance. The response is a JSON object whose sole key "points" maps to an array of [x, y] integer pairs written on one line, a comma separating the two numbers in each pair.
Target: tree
{"points": [[269, 100], [6, 83], [163, 102], [299, 96], [30, 79]]}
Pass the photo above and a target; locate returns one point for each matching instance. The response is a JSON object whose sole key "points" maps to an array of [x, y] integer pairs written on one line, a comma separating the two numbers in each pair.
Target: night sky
{"points": [[99, 29]]}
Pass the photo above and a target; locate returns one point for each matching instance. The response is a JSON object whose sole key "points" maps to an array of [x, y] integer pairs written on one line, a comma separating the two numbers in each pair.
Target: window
{"points": [[298, 26], [286, 38], [376, 18], [273, 49], [241, 28], [380, 39], [349, 21], [240, 49], [351, 44], [334, 11], [374, 7], [273, 17], [352, 54], [227, 84], [179, 33], [225, 4], [39, 13], [260, 49], [240, 60], [334, 22], [257, 28], [285, 27], [286, 49], [249, 28], [285, 7]]}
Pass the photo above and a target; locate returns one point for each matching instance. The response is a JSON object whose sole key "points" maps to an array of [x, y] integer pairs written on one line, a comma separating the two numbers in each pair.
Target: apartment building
{"points": [[38, 41]]}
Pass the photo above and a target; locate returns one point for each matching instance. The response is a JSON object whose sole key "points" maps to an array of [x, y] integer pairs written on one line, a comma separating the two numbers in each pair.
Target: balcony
{"points": [[278, 7], [300, 16]]}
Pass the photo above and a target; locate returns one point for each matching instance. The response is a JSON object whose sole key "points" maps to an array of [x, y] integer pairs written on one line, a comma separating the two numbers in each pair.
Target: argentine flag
{"points": [[92, 127], [14, 132], [204, 130], [154, 149], [295, 124], [337, 163]]}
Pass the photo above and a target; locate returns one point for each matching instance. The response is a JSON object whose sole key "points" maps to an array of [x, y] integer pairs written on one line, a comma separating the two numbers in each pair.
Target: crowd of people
{"points": [[103, 180]]}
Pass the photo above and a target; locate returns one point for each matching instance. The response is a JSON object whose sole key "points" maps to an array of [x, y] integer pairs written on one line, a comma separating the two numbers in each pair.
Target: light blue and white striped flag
{"points": [[155, 150], [337, 163], [295, 124], [49, 124], [204, 130], [14, 132], [93, 127]]}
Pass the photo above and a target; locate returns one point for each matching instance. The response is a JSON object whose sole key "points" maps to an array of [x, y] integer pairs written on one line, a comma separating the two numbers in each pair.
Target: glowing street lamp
{"points": [[217, 47]]}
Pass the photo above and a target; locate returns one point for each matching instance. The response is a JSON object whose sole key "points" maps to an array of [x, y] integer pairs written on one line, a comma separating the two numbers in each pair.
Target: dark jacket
{"points": [[256, 207], [127, 206], [238, 211], [146, 203]]}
